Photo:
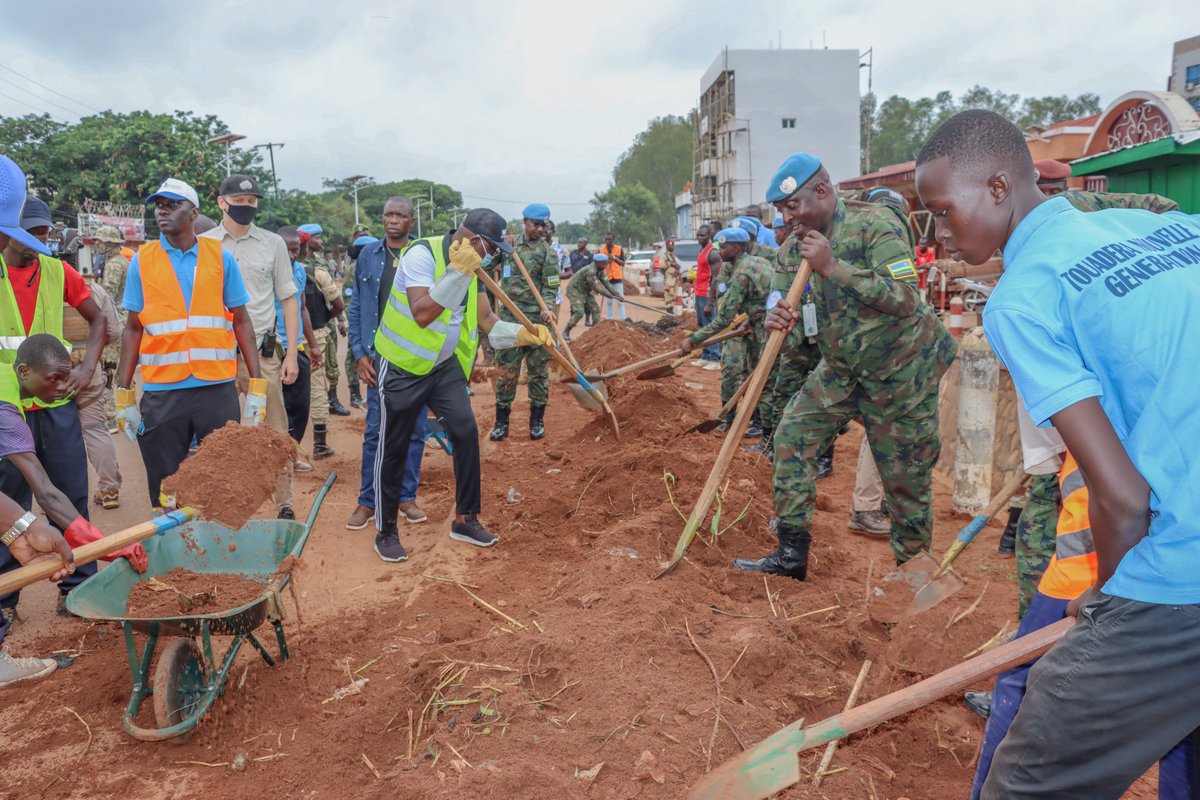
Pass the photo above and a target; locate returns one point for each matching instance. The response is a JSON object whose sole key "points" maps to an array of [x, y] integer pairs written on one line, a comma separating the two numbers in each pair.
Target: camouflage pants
{"points": [[1036, 530], [581, 307], [905, 450], [735, 365], [797, 358], [537, 368], [330, 350], [351, 367]]}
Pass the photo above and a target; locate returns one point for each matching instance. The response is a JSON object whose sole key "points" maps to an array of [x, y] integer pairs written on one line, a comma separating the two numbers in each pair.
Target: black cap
{"points": [[36, 214], [239, 184], [488, 224]]}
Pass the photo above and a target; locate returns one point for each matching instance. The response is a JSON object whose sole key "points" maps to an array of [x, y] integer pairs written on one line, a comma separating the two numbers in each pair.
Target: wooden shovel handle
{"points": [[507, 302], [545, 309], [86, 554], [730, 332], [733, 437]]}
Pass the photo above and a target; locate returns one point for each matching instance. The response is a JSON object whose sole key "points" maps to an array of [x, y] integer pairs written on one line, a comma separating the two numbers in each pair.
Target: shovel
{"points": [[585, 394], [662, 357], [712, 423], [926, 581], [558, 337], [772, 765], [667, 370], [733, 437]]}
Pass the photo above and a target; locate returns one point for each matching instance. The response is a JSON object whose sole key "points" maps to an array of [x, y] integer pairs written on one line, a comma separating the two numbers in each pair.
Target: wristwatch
{"points": [[19, 527]]}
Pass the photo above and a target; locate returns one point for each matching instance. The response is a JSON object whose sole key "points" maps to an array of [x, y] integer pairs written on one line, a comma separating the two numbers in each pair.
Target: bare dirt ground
{"points": [[553, 665]]}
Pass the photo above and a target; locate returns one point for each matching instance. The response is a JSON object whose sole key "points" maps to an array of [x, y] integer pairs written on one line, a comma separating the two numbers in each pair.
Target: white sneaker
{"points": [[14, 670], [712, 366], [302, 465], [699, 362]]}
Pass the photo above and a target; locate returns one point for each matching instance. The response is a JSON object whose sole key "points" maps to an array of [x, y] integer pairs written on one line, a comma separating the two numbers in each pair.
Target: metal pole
{"points": [[356, 204], [274, 177]]}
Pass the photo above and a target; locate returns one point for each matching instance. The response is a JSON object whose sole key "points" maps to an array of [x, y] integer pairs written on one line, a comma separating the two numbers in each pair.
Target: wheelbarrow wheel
{"points": [[179, 684]]}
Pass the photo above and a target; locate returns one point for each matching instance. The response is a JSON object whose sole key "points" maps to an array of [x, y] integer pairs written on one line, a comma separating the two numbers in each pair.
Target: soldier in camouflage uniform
{"points": [[108, 243], [883, 352], [748, 285], [351, 363], [581, 293], [733, 352], [542, 264], [327, 336]]}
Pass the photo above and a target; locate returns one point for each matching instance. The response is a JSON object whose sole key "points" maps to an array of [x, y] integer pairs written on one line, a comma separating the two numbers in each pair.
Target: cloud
{"points": [[533, 100]]}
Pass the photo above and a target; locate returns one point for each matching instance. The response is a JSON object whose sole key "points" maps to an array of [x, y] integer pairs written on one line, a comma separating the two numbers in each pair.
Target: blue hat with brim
{"points": [[796, 171], [778, 223], [363, 241], [311, 228], [600, 258], [12, 203], [750, 224], [732, 236], [538, 212]]}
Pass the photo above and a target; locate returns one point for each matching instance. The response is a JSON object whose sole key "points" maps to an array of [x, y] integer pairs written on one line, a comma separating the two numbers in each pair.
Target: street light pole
{"points": [[274, 179], [353, 181], [870, 65], [227, 140]]}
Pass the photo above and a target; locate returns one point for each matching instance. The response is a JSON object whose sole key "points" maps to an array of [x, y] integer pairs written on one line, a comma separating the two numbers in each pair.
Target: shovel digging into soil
{"points": [[667, 370], [772, 765], [713, 423], [728, 333], [585, 394], [922, 582]]}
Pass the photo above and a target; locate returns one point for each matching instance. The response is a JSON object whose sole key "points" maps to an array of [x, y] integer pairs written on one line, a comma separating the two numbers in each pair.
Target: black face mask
{"points": [[242, 215]]}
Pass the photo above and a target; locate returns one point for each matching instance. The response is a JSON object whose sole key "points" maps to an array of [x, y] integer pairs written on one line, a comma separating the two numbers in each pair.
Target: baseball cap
{"points": [[12, 202], [488, 224], [175, 189], [239, 184], [36, 214]]}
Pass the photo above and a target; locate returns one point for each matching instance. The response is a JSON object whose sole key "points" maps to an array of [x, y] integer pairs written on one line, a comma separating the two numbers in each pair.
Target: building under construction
{"points": [[757, 107]]}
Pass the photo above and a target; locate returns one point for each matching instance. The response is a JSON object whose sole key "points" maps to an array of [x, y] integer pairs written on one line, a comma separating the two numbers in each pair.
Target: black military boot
{"points": [[356, 400], [824, 464], [335, 405], [320, 448], [763, 445], [1008, 539], [790, 558], [755, 429], [500, 429], [537, 427], [727, 423]]}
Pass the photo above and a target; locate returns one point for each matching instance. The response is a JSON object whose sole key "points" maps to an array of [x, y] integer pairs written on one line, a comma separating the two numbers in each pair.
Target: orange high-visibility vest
{"points": [[179, 342], [1073, 567], [613, 270]]}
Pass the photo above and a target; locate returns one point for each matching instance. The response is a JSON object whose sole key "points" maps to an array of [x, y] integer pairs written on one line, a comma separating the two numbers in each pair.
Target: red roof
{"points": [[890, 175], [1082, 122]]}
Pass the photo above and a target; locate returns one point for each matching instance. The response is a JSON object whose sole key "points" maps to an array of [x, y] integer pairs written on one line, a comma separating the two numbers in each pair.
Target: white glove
{"points": [[129, 416], [449, 290], [503, 335]]}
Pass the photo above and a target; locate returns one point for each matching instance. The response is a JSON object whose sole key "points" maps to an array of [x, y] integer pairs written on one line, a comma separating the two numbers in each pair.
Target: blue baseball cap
{"points": [[795, 171], [751, 225], [732, 236], [778, 223], [600, 258], [12, 204], [363, 241], [538, 212], [311, 228], [36, 214]]}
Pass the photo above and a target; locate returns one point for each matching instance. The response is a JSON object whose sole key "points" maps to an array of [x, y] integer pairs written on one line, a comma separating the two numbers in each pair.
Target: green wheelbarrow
{"points": [[187, 678]]}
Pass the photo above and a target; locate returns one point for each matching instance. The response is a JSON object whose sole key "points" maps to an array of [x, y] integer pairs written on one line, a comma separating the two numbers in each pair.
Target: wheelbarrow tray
{"points": [[201, 547]]}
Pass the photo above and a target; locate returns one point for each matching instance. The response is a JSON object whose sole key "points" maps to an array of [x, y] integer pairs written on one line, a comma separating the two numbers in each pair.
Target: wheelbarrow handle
{"points": [[44, 568], [313, 512]]}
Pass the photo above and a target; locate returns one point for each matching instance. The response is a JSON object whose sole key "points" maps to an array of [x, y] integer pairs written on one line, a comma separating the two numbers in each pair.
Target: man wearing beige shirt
{"points": [[266, 270]]}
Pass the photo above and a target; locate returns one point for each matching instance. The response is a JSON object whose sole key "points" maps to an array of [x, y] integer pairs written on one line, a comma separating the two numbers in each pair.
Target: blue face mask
{"points": [[489, 259]]}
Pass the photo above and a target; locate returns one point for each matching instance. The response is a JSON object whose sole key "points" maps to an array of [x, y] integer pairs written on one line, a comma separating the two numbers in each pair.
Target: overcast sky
{"points": [[513, 102]]}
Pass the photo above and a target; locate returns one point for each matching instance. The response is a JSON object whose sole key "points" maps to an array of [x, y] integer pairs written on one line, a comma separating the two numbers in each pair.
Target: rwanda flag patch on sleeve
{"points": [[902, 270]]}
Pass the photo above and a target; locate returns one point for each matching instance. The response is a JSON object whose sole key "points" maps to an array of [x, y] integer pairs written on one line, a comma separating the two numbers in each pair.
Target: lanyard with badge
{"points": [[808, 310]]}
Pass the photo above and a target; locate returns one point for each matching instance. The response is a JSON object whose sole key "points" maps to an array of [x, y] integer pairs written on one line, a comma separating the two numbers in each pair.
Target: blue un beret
{"points": [[311, 228], [778, 223], [751, 225], [600, 258], [793, 174], [538, 212], [363, 241], [732, 236]]}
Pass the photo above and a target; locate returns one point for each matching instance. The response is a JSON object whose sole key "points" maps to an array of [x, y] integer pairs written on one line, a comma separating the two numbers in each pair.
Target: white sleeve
{"points": [[416, 267]]}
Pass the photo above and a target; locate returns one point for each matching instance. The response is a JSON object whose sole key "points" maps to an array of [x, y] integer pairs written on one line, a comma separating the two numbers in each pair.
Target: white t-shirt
{"points": [[416, 269]]}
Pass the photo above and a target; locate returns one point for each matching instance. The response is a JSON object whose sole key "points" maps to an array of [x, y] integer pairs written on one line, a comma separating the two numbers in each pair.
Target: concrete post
{"points": [[979, 383]]}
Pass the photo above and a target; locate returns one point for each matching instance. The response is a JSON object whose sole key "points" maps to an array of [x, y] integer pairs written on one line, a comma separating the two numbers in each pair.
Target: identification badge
{"points": [[507, 269], [721, 288], [773, 299], [808, 313]]}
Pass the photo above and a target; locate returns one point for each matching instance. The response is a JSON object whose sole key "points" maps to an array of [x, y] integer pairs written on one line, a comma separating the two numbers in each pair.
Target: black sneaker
{"points": [[388, 546], [286, 512], [979, 702], [472, 532]]}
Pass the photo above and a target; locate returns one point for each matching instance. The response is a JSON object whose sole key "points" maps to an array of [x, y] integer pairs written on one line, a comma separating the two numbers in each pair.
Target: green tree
{"points": [[1042, 112], [660, 161], [629, 211], [569, 232]]}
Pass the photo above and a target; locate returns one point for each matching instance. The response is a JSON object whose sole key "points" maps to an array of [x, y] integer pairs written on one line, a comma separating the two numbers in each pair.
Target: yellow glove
{"points": [[256, 401], [540, 336], [463, 257], [129, 417]]}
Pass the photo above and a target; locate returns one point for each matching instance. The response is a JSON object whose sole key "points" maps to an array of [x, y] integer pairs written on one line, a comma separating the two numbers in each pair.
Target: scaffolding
{"points": [[717, 134]]}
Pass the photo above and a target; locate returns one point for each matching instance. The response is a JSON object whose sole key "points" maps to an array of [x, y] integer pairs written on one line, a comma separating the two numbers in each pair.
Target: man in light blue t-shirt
{"points": [[1095, 318]]}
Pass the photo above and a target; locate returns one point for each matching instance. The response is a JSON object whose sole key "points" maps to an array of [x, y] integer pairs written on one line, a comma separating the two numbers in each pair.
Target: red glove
{"points": [[81, 532]]}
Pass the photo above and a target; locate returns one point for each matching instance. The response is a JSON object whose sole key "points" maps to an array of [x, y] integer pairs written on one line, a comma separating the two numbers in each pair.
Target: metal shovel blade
{"points": [[892, 596], [706, 426], [654, 373], [934, 592], [585, 398]]}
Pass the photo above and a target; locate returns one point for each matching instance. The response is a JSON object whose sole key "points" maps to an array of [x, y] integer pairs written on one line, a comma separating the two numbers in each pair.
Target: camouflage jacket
{"points": [[668, 262], [873, 329], [747, 294], [586, 281], [1098, 201], [115, 268], [542, 265]]}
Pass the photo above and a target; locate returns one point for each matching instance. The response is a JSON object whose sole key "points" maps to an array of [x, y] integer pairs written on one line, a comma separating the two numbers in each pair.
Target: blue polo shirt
{"points": [[234, 294], [301, 278], [1106, 304]]}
